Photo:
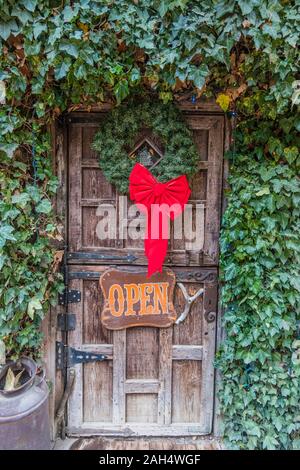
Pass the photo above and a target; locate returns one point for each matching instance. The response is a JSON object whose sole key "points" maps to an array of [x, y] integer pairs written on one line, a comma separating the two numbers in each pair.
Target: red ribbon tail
{"points": [[156, 251]]}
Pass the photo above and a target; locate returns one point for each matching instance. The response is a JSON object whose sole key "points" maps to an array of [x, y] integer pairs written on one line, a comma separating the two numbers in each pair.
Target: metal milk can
{"points": [[24, 414]]}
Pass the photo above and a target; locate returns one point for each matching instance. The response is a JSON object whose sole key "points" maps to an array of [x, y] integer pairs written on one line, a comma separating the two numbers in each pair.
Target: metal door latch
{"points": [[128, 257], [188, 302]]}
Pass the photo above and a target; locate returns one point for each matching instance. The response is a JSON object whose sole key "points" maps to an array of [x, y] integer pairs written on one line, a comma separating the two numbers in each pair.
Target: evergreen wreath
{"points": [[118, 133]]}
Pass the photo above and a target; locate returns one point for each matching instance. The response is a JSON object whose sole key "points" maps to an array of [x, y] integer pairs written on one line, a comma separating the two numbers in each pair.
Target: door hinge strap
{"points": [[68, 357], [69, 296]]}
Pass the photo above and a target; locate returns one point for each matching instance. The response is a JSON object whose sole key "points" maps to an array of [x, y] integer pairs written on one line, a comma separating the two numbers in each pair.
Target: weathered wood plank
{"points": [[133, 429], [208, 372], [141, 408], [184, 103], [186, 387], [75, 188], [119, 376], [190, 352], [142, 353], [142, 386], [165, 376], [214, 189], [75, 403], [97, 392], [190, 330], [106, 349]]}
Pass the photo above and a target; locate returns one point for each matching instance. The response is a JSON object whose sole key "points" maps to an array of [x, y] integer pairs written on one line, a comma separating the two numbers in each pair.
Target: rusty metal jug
{"points": [[24, 414]]}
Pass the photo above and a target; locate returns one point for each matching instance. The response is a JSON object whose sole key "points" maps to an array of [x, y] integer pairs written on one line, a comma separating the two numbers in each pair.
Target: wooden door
{"points": [[155, 381]]}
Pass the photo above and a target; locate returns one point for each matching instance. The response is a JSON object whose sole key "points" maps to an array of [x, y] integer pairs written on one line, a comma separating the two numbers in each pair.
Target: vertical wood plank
{"points": [[142, 352], [93, 332], [165, 376], [97, 392], [187, 374], [214, 189], [189, 331], [186, 389], [119, 371], [75, 405], [75, 188], [209, 329], [141, 408]]}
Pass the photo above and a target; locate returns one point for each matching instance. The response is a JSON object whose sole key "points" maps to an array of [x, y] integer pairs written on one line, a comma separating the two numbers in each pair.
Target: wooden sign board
{"points": [[132, 299]]}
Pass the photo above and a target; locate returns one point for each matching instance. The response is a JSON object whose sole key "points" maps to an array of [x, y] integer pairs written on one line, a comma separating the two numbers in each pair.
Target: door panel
{"points": [[155, 381], [158, 376], [186, 390], [88, 188]]}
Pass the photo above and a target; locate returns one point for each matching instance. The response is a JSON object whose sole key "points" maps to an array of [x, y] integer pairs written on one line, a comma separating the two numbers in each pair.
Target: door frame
{"points": [[59, 141]]}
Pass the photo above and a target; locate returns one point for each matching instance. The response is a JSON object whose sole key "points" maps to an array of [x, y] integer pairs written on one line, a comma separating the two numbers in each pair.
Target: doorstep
{"points": [[103, 443]]}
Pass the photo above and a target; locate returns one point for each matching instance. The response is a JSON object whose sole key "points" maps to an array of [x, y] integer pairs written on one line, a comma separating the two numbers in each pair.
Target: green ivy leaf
{"points": [[69, 13], [6, 233], [30, 5], [199, 75], [246, 7], [20, 199], [135, 75], [70, 48], [62, 70], [262, 192], [163, 8], [270, 442], [38, 29], [33, 305], [9, 149], [291, 154], [7, 28], [121, 90], [252, 428], [44, 207]]}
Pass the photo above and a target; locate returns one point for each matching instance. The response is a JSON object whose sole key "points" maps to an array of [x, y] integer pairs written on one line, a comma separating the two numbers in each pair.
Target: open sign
{"points": [[132, 299]]}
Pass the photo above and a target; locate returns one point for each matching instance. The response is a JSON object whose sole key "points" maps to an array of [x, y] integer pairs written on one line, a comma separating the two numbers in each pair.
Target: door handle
{"points": [[189, 300]]}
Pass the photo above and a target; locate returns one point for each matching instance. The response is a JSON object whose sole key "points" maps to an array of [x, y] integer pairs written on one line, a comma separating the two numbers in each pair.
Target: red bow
{"points": [[146, 191]]}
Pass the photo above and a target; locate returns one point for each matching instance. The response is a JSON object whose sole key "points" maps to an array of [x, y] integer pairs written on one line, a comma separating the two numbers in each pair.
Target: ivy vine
{"points": [[261, 284], [58, 54]]}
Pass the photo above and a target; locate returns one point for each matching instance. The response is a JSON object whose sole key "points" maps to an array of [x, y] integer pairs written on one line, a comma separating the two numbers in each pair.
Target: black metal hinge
{"points": [[69, 296], [66, 321], [68, 357]]}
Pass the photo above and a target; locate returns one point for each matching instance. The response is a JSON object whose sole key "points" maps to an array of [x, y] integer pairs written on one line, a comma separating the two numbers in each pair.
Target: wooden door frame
{"points": [[59, 140]]}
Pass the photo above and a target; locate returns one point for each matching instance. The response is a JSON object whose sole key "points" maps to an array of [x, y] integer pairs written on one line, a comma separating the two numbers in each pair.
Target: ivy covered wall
{"points": [[56, 54]]}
